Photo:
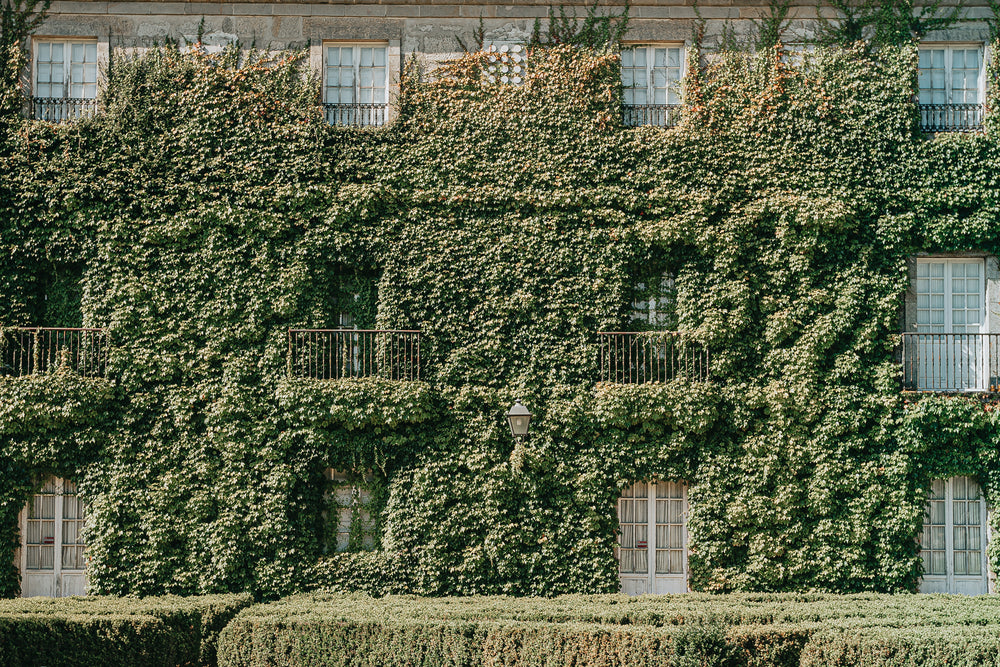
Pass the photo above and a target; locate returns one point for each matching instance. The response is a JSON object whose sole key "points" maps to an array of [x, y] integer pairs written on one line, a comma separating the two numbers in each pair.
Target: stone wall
{"points": [[429, 28]]}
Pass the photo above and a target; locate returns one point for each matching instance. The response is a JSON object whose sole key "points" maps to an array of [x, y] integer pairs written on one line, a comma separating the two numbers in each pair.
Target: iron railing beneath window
{"points": [[951, 362], [629, 357], [27, 351], [951, 117], [334, 354], [356, 114], [661, 115], [60, 109]]}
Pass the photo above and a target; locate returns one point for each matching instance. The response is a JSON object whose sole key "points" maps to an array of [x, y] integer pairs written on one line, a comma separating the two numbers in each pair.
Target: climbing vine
{"points": [[209, 208]]}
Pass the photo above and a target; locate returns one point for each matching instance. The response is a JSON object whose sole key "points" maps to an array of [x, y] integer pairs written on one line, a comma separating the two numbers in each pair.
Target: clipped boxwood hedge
{"points": [[762, 630], [103, 631], [962, 646]]}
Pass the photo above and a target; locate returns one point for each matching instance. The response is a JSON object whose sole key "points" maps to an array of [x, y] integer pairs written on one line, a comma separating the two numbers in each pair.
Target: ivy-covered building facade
{"points": [[273, 275]]}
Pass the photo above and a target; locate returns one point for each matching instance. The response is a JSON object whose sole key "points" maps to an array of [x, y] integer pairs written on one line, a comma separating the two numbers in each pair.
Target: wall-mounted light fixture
{"points": [[519, 418]]}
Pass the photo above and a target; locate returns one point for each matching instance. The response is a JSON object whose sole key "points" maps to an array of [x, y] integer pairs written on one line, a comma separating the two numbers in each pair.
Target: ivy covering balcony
{"points": [[336, 354], [29, 351], [630, 357]]}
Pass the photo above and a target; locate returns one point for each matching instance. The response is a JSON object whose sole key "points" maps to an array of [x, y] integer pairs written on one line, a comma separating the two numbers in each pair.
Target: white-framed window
{"points": [[947, 351], [356, 83], [53, 545], [950, 74], [954, 537], [652, 538], [950, 295], [64, 78], [651, 83], [951, 80]]}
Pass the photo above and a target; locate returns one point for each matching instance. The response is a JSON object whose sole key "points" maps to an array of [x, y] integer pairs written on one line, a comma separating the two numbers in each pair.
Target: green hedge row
{"points": [[763, 630], [317, 641], [954, 646], [105, 631], [760, 630]]}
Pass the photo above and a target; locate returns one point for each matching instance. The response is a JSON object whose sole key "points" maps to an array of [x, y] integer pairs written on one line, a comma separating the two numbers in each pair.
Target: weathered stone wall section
{"points": [[428, 28]]}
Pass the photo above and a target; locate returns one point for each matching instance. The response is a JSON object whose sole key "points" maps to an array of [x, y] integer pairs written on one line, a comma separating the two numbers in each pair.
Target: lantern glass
{"points": [[519, 419]]}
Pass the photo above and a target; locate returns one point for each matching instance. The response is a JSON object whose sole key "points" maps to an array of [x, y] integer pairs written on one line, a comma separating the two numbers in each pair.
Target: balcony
{"points": [[951, 363], [30, 351], [357, 115], [61, 109], [336, 354], [951, 117], [631, 357], [660, 115]]}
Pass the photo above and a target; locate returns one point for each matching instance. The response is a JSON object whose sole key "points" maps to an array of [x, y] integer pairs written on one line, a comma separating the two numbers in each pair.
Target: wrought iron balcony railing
{"points": [[27, 351], [629, 357], [356, 114], [334, 354], [61, 109], [951, 362], [661, 115], [951, 117]]}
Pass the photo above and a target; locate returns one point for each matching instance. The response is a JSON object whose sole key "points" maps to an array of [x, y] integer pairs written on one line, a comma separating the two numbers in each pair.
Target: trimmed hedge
{"points": [[962, 646], [104, 631], [761, 630]]}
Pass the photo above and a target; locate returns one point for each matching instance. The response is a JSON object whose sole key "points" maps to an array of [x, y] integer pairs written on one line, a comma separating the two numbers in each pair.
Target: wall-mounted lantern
{"points": [[519, 418]]}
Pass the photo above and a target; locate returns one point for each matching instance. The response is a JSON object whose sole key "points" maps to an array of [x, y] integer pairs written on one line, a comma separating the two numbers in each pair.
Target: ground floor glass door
{"points": [[53, 562], [652, 538], [953, 542]]}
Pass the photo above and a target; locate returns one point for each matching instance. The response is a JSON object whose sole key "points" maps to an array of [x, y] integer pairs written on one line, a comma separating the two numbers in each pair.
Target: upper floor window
{"points": [[65, 78], [947, 346], [654, 303], [950, 86], [651, 77], [355, 83], [950, 295]]}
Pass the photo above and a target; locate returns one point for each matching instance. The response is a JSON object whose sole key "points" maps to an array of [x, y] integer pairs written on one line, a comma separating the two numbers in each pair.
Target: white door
{"points": [[951, 315], [53, 562], [652, 538], [953, 543]]}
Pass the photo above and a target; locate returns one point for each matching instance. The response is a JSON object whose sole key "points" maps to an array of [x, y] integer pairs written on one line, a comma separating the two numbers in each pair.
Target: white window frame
{"points": [[67, 68], [653, 582], [950, 262], [59, 581], [650, 48], [950, 582], [948, 48], [947, 360], [356, 47]]}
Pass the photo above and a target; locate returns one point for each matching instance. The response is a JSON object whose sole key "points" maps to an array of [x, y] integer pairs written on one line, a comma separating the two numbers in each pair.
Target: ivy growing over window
{"points": [[209, 208]]}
